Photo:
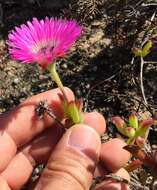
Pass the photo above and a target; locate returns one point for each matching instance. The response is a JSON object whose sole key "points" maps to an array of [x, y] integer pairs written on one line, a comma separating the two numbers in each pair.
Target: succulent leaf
{"points": [[144, 51], [144, 127], [74, 113], [133, 120], [120, 124], [146, 48], [130, 132]]}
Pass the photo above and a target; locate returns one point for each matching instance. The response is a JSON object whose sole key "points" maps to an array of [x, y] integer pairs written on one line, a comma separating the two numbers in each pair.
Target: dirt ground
{"points": [[98, 67]]}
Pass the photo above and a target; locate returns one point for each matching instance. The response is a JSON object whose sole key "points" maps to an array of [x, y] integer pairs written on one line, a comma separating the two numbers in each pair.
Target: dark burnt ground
{"points": [[98, 68]]}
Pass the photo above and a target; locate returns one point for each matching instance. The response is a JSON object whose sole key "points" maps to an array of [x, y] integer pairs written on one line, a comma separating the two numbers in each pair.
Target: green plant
{"points": [[135, 132]]}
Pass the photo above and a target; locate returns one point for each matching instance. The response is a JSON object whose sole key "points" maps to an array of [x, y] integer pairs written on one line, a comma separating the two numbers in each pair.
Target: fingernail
{"points": [[85, 139]]}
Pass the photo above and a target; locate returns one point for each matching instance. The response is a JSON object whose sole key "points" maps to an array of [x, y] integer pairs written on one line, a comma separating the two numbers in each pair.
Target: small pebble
{"points": [[36, 170], [87, 86], [64, 66], [154, 146], [16, 81]]}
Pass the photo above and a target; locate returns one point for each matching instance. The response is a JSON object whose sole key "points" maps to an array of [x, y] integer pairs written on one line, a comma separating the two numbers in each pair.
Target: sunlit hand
{"points": [[72, 157]]}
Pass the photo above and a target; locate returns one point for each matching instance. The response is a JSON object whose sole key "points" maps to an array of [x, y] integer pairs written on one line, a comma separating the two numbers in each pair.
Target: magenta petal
{"points": [[42, 41]]}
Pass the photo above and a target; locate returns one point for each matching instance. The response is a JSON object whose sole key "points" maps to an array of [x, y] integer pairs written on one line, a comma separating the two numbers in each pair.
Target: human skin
{"points": [[72, 158]]}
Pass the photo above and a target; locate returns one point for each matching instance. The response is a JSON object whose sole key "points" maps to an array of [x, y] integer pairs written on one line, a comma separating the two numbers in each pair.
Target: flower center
{"points": [[44, 47], [44, 55], [46, 50]]}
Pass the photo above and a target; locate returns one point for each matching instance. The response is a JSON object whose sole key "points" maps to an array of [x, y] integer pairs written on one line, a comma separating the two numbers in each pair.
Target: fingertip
{"points": [[83, 138], [96, 121], [113, 156], [50, 93], [74, 158]]}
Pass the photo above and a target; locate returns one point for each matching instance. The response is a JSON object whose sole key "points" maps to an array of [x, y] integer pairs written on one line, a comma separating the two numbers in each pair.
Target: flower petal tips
{"points": [[43, 41]]}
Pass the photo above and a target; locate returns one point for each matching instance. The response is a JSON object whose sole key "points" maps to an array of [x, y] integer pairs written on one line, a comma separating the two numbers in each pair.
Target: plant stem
{"points": [[141, 81], [150, 62], [130, 141], [56, 78]]}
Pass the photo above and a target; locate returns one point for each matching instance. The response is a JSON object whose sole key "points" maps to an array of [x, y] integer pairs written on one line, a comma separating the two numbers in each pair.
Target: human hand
{"points": [[71, 158]]}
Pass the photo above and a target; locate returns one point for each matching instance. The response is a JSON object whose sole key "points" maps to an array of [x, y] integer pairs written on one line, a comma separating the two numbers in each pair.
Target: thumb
{"points": [[72, 163]]}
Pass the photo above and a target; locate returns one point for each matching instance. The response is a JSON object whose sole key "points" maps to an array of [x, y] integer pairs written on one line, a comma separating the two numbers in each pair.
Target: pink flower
{"points": [[42, 41]]}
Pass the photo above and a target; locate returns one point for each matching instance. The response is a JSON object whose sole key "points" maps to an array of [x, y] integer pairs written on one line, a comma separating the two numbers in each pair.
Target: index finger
{"points": [[22, 124]]}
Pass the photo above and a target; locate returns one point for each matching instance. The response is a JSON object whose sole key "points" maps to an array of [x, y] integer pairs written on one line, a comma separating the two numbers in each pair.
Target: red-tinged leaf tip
{"points": [[144, 127], [146, 123], [140, 142], [120, 124], [136, 151], [79, 104], [71, 103], [137, 51], [146, 159]]}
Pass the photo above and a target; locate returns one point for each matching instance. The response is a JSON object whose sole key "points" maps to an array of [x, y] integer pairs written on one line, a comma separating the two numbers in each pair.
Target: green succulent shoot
{"points": [[144, 51], [135, 130], [72, 111]]}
